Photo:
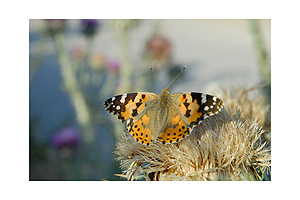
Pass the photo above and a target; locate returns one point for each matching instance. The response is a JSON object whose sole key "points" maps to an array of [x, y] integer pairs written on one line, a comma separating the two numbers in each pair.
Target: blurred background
{"points": [[75, 65]]}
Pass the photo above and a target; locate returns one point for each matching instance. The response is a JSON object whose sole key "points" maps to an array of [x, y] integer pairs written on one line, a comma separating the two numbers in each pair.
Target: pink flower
{"points": [[113, 66], [159, 47]]}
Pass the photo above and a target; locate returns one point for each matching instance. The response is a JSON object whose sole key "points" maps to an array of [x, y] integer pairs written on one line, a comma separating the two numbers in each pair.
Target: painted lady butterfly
{"points": [[166, 118]]}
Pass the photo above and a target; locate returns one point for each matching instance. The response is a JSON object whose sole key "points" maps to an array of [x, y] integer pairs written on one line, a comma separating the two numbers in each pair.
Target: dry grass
{"points": [[226, 146]]}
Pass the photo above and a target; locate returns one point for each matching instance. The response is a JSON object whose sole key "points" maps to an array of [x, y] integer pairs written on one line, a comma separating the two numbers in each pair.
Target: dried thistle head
{"points": [[226, 146], [255, 108], [223, 147]]}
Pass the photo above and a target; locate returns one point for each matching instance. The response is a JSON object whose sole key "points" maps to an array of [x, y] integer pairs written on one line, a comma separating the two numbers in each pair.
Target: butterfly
{"points": [[167, 118]]}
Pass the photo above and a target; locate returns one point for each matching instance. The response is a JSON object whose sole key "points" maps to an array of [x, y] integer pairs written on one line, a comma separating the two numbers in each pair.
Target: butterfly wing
{"points": [[140, 129], [194, 107], [186, 111], [133, 108], [129, 105], [158, 123], [142, 114], [175, 129]]}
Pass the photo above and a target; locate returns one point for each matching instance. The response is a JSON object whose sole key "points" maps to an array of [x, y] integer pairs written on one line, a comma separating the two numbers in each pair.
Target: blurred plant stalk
{"points": [[123, 28], [126, 69], [72, 88], [262, 55]]}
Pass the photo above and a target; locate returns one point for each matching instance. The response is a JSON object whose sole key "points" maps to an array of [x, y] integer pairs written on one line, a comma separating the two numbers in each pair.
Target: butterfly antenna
{"points": [[177, 76], [155, 76]]}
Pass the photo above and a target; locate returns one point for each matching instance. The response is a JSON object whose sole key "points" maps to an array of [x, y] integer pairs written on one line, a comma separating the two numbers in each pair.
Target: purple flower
{"points": [[89, 26], [66, 138]]}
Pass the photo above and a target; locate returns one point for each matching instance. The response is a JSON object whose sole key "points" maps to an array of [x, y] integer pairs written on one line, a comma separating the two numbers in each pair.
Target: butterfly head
{"points": [[165, 90]]}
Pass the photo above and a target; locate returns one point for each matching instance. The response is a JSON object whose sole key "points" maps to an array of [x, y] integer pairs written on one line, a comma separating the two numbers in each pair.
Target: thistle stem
{"points": [[262, 56], [126, 69], [72, 88]]}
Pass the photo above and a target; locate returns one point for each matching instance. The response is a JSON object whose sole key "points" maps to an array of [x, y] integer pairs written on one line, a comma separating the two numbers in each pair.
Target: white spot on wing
{"points": [[118, 107], [123, 98], [203, 100], [206, 108]]}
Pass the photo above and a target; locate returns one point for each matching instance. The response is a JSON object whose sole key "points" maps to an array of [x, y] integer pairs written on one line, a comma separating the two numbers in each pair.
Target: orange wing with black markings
{"points": [[132, 107], [194, 107], [140, 129], [175, 130], [128, 105], [165, 118]]}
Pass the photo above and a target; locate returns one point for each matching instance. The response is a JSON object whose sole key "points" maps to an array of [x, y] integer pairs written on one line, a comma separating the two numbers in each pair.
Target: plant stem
{"points": [[262, 55], [126, 69], [71, 87]]}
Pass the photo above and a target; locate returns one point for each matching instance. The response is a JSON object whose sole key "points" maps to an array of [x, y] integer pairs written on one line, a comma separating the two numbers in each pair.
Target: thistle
{"points": [[226, 146], [256, 108]]}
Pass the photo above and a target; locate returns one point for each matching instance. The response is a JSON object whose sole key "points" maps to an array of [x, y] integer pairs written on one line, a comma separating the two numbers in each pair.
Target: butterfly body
{"points": [[166, 118]]}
